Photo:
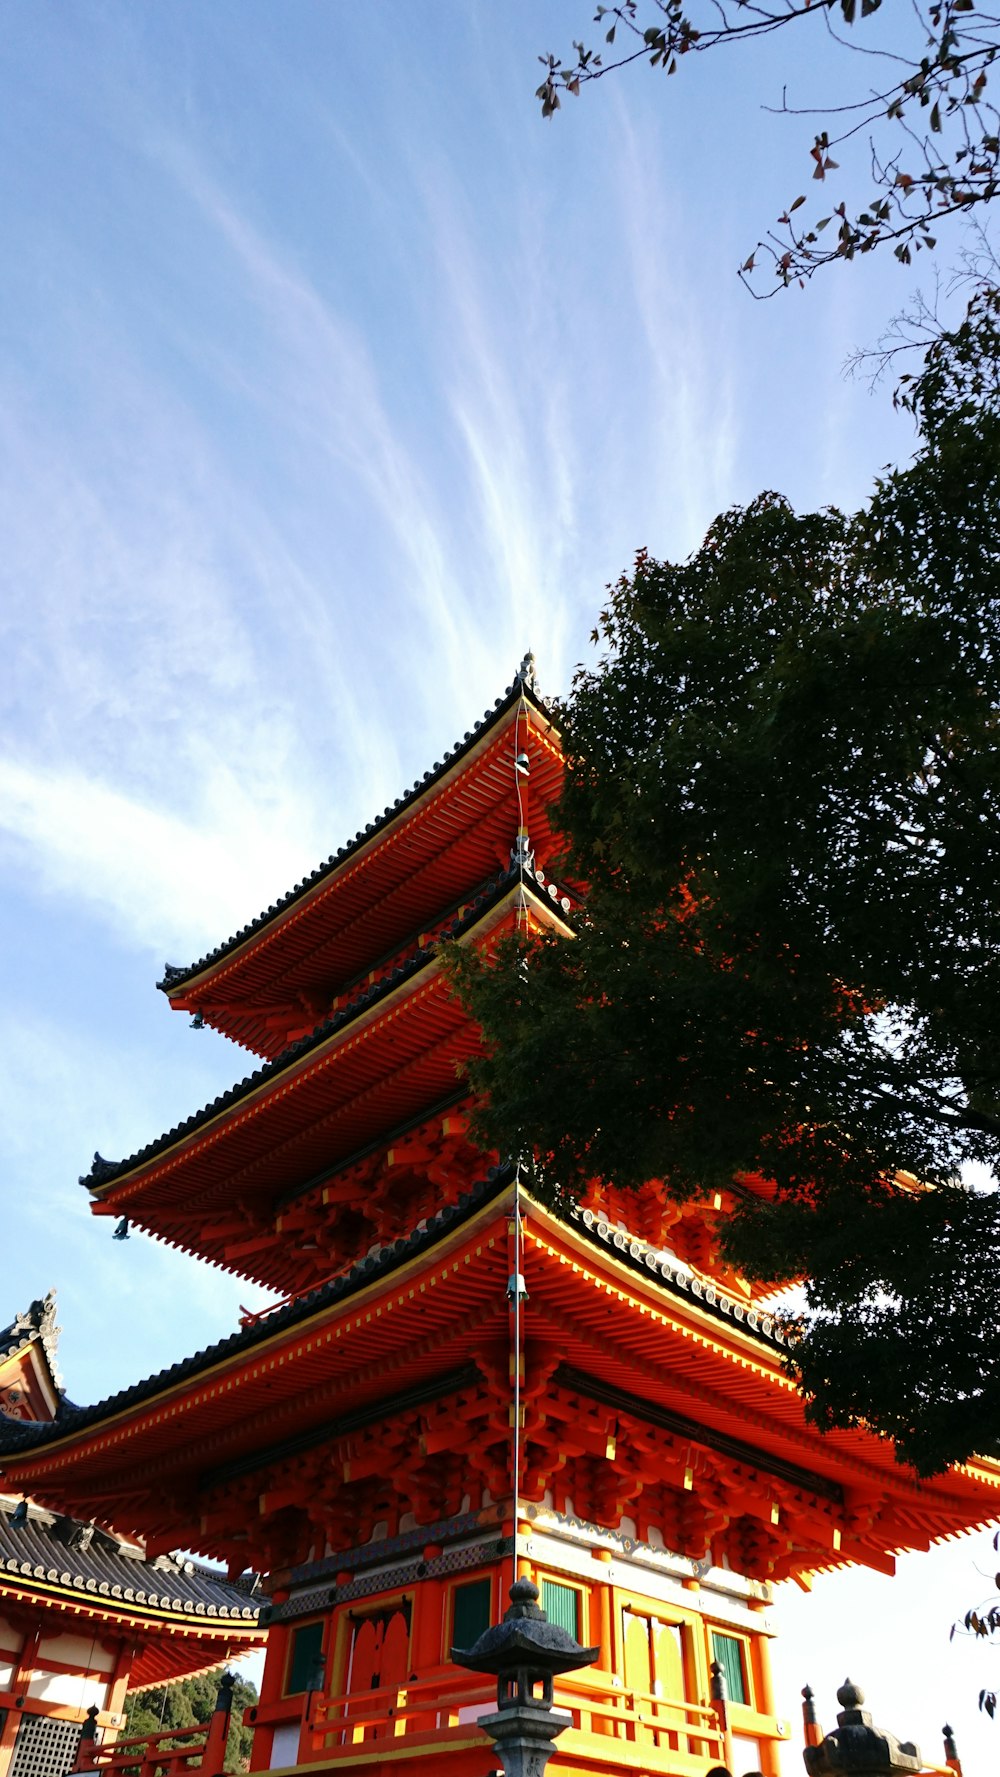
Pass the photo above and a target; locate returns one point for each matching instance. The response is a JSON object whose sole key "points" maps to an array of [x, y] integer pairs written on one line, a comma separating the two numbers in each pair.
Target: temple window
{"points": [[730, 1652], [562, 1606], [472, 1602], [304, 1650]]}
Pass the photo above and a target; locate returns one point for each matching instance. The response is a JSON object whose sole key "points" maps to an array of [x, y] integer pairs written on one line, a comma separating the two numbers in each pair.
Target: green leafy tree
{"points": [[186, 1703], [923, 110], [783, 791]]}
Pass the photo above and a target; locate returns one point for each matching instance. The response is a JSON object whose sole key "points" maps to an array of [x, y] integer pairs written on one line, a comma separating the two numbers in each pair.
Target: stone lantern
{"points": [[525, 1652], [856, 1748]]}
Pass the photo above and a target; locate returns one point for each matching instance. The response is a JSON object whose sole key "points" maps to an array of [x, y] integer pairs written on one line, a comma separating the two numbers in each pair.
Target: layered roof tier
{"points": [[385, 1396], [181, 1617], [273, 1180], [385, 892], [349, 1128], [378, 1395]]}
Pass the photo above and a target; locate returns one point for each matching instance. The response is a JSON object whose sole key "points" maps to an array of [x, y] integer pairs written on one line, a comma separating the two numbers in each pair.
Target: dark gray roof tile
{"points": [[103, 1566]]}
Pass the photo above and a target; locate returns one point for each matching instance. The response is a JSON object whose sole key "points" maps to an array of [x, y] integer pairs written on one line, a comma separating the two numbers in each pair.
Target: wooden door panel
{"points": [[363, 1662], [379, 1656], [638, 1660], [396, 1648], [668, 1660], [654, 1664]]}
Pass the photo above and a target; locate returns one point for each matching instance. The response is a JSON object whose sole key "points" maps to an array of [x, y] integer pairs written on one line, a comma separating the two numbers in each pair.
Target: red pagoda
{"points": [[355, 1442]]}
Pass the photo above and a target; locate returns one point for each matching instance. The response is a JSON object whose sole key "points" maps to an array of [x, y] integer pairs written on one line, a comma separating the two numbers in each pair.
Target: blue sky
{"points": [[330, 381]]}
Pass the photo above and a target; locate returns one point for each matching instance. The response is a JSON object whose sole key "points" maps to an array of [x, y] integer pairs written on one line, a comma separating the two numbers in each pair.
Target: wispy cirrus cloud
{"points": [[322, 388], [73, 1087], [172, 885], [200, 671]]}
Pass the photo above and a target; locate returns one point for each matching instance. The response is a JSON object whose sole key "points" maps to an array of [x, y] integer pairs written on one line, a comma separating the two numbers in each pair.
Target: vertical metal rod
{"points": [[517, 1359], [522, 911]]}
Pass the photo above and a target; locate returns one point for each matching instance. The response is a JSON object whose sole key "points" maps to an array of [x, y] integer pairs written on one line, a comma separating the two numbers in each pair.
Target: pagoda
{"points": [[356, 1442], [84, 1614]]}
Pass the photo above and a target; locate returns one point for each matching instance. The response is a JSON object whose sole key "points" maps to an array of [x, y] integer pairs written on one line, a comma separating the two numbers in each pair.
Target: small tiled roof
{"points": [[51, 1550], [37, 1324], [104, 1172], [522, 686]]}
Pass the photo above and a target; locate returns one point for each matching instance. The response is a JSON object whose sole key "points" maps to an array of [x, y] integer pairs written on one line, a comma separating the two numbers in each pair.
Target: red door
{"points": [[378, 1658]]}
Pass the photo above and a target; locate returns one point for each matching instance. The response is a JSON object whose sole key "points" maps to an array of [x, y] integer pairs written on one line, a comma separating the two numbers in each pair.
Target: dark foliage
{"points": [[188, 1702], [784, 793]]}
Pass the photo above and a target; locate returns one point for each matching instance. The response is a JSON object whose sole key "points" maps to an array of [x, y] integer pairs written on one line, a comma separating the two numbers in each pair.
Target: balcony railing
{"points": [[669, 1735], [675, 1736], [202, 1747], [150, 1755]]}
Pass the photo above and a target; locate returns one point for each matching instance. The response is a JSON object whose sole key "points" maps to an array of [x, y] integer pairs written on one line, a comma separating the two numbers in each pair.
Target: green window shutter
{"points": [[561, 1605], [729, 1653], [307, 1643], [471, 1612]]}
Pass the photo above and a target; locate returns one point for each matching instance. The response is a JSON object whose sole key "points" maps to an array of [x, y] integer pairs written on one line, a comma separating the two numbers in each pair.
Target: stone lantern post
{"points": [[856, 1748], [525, 1652]]}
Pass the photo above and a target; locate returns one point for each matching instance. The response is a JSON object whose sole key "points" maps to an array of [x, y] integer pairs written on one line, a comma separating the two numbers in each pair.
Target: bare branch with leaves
{"points": [[934, 132]]}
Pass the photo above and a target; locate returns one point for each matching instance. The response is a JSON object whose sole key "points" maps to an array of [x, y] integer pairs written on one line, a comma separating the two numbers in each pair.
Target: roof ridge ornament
{"points": [[37, 1321], [525, 674], [100, 1169]]}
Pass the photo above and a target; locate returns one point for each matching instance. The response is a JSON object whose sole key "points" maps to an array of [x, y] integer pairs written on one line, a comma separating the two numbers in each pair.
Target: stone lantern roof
{"points": [[858, 1748], [525, 1639], [525, 1651]]}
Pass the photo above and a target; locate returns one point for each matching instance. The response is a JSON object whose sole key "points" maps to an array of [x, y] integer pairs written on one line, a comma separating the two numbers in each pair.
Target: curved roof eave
{"points": [[522, 686], [20, 1438], [104, 1174]]}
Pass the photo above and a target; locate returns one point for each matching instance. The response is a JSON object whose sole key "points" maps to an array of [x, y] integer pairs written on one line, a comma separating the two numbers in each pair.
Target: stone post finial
{"points": [[89, 1729], [850, 1695], [812, 1733], [224, 1694], [86, 1751], [719, 1694]]}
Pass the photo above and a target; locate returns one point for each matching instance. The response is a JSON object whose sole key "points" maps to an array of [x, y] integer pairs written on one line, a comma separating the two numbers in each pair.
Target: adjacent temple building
{"points": [[355, 1443], [86, 1615]]}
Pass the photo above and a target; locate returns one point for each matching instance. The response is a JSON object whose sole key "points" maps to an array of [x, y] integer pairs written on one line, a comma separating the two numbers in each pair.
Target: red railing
{"points": [[202, 1747], [675, 1736]]}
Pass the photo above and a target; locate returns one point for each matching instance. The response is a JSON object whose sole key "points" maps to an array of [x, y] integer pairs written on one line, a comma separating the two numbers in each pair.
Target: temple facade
{"points": [[85, 1615], [355, 1443]]}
